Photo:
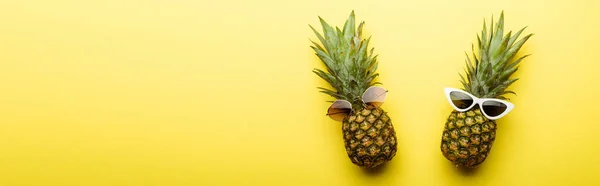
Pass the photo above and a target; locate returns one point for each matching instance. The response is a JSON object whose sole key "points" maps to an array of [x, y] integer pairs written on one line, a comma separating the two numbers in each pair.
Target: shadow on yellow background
{"points": [[221, 93]]}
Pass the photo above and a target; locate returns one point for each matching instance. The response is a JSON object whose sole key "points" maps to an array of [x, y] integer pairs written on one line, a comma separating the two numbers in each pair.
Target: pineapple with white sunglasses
{"points": [[470, 130]]}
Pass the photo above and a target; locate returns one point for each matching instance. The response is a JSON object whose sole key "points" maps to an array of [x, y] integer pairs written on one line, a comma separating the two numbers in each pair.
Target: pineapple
{"points": [[468, 136], [368, 134]]}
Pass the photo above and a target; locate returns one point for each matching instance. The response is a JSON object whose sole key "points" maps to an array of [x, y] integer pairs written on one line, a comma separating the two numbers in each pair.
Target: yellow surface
{"points": [[176, 93]]}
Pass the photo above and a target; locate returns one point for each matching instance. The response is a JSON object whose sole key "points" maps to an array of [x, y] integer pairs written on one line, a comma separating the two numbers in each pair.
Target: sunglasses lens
{"points": [[339, 110], [493, 108], [374, 96], [461, 100]]}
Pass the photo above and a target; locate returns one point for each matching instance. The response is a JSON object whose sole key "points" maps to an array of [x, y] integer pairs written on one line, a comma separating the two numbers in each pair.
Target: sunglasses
{"points": [[491, 108], [374, 96]]}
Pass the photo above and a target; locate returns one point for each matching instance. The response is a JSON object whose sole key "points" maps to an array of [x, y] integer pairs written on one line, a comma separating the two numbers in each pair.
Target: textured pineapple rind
{"points": [[369, 137], [467, 138]]}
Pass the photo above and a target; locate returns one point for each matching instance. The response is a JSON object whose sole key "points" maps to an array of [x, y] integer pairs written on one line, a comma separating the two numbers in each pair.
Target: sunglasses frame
{"points": [[478, 101], [384, 94]]}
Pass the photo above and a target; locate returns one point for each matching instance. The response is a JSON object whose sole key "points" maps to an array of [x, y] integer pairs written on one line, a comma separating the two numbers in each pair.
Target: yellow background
{"points": [[131, 92]]}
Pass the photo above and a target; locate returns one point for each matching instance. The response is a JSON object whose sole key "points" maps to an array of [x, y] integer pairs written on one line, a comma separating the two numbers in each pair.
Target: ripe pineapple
{"points": [[368, 133], [468, 136]]}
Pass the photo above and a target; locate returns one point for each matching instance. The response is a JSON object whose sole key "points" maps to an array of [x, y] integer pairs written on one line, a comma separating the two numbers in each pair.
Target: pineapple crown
{"points": [[489, 74], [350, 68]]}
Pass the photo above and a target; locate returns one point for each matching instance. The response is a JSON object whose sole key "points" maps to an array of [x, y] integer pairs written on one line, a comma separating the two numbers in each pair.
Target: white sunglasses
{"points": [[491, 108]]}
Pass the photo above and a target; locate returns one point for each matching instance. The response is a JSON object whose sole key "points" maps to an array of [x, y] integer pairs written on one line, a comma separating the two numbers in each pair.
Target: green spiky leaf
{"points": [[489, 73], [350, 65]]}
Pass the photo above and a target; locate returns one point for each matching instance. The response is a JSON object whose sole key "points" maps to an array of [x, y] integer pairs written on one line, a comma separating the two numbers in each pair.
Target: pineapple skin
{"points": [[468, 138], [369, 137]]}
